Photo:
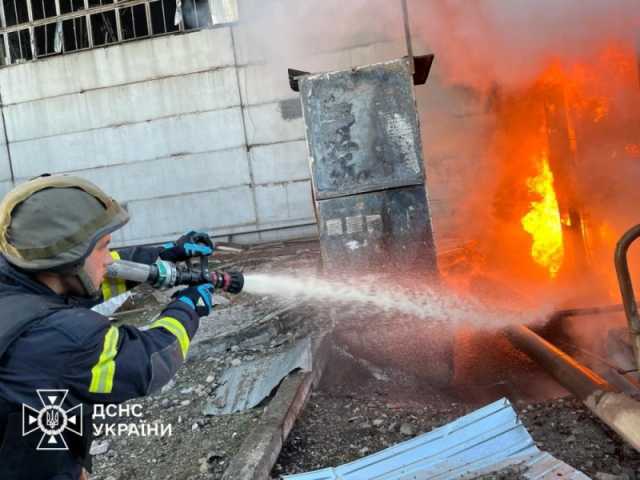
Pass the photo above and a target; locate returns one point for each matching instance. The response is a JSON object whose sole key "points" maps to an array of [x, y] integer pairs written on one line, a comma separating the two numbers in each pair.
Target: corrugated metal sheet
{"points": [[486, 440], [245, 386]]}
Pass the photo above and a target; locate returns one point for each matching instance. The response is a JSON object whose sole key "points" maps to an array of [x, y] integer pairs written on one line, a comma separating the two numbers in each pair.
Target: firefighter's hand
{"points": [[199, 298], [191, 244]]}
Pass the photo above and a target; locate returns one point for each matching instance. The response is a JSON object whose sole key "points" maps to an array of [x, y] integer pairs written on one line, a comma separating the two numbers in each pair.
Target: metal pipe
{"points": [[575, 377], [619, 411], [626, 288]]}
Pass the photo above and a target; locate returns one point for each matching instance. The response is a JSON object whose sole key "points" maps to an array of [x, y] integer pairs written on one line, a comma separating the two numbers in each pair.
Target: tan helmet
{"points": [[52, 223]]}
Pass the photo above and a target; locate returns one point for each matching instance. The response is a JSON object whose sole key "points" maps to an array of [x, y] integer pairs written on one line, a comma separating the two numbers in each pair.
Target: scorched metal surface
{"points": [[363, 135]]}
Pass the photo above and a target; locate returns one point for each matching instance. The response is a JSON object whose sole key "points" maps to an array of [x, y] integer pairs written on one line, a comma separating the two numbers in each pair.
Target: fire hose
{"points": [[163, 274]]}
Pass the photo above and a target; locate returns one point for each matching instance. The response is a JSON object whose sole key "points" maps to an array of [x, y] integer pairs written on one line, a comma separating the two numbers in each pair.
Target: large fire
{"points": [[559, 142], [543, 221]]}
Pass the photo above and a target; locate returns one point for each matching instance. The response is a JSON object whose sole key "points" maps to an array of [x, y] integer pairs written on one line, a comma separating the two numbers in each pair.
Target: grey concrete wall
{"points": [[197, 130]]}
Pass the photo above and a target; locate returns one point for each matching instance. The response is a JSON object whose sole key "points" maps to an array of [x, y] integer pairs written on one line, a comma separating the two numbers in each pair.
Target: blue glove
{"points": [[191, 244], [199, 298]]}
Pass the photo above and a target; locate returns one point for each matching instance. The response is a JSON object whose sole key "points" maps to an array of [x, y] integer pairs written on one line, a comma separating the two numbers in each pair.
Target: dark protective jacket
{"points": [[51, 342]]}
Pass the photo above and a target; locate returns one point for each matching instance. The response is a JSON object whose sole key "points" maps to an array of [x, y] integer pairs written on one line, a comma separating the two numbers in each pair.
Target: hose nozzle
{"points": [[231, 282], [163, 274]]}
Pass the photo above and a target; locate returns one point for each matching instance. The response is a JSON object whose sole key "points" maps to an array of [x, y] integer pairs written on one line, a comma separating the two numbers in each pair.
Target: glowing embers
{"points": [[543, 220], [633, 150]]}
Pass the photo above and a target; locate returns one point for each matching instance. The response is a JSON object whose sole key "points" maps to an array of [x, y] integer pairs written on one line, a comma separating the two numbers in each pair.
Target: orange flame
{"points": [[543, 220]]}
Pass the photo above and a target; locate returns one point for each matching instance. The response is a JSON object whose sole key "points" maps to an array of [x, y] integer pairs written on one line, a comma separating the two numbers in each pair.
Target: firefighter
{"points": [[54, 244]]}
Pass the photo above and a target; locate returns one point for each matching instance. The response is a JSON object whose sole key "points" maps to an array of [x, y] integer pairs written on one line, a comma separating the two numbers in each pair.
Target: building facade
{"points": [[178, 110]]}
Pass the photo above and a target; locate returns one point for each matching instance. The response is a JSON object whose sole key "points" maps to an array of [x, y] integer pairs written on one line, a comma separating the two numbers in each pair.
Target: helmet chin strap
{"points": [[77, 282], [90, 291]]}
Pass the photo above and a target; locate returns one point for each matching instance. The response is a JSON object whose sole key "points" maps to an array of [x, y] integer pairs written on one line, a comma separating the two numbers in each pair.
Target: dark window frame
{"points": [[88, 24]]}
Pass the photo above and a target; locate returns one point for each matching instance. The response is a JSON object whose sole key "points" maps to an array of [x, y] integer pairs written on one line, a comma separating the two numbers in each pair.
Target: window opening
{"points": [[40, 28]]}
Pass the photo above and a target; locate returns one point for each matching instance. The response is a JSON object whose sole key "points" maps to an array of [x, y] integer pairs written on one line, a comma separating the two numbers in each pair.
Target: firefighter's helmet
{"points": [[52, 223]]}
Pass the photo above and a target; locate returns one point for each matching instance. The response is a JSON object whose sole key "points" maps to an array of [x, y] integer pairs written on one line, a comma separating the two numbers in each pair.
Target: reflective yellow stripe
{"points": [[106, 290], [103, 372], [113, 286], [121, 286], [177, 330]]}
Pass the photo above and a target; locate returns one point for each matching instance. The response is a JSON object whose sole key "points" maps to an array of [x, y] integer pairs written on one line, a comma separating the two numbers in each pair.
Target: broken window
{"points": [[134, 22], [38, 28], [195, 14], [43, 9], [15, 12], [48, 39], [75, 34], [20, 46], [103, 28], [70, 6], [163, 14]]}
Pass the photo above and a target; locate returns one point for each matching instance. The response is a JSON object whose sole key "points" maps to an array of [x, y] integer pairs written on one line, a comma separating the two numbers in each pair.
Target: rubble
{"points": [[236, 329], [406, 429], [338, 425], [99, 448]]}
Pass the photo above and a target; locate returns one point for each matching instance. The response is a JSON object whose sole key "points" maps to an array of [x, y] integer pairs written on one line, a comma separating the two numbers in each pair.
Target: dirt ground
{"points": [[354, 412], [337, 428]]}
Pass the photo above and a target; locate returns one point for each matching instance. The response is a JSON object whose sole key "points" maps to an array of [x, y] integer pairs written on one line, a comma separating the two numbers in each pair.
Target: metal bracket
{"points": [[294, 75]]}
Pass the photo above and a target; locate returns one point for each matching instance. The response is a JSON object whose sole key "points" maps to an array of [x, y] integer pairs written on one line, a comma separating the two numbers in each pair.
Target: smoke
{"points": [[476, 43], [484, 49], [510, 42], [287, 30]]}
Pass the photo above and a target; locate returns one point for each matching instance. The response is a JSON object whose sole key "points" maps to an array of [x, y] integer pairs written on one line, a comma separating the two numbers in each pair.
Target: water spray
{"points": [[353, 294]]}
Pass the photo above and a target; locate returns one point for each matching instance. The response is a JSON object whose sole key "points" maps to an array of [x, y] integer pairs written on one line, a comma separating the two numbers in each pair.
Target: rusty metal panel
{"points": [[370, 231], [362, 129]]}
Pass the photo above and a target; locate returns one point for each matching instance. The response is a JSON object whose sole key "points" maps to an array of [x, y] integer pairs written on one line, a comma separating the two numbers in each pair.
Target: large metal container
{"points": [[367, 168], [368, 178]]}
